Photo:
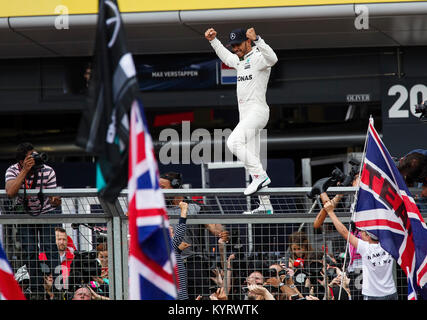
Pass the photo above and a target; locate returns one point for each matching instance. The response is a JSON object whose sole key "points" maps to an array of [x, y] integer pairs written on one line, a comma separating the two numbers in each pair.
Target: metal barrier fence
{"points": [[97, 258], [262, 248]]}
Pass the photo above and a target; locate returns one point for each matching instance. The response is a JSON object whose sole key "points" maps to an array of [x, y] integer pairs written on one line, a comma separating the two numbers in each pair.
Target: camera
{"points": [[271, 289], [354, 170], [40, 159], [213, 289], [271, 273], [86, 265], [314, 270], [421, 108], [345, 180], [337, 176], [323, 184], [285, 273]]}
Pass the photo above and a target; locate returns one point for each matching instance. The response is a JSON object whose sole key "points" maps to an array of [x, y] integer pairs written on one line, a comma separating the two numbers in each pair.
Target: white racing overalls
{"points": [[253, 72]]}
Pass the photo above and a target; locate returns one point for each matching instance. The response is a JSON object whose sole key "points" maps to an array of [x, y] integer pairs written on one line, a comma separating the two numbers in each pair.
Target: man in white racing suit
{"points": [[253, 65]]}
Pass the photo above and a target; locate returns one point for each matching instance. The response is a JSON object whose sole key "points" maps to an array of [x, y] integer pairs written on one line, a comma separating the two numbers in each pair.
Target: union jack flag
{"points": [[152, 265], [386, 208], [9, 288]]}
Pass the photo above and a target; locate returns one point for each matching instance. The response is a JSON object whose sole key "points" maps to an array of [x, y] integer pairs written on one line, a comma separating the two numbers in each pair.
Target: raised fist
{"points": [[250, 34], [210, 34], [184, 207]]}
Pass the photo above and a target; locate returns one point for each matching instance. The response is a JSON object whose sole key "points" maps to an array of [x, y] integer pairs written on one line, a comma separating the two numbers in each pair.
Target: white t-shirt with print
{"points": [[377, 266]]}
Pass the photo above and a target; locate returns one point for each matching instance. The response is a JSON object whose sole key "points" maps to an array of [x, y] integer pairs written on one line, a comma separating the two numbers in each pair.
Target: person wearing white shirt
{"points": [[377, 264]]}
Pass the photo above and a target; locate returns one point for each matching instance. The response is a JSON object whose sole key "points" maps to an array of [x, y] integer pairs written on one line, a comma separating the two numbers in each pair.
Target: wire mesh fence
{"points": [[269, 240], [53, 254], [282, 256]]}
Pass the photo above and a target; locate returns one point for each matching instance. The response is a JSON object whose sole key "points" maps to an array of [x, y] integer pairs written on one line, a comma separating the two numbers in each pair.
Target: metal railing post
{"points": [[115, 242]]}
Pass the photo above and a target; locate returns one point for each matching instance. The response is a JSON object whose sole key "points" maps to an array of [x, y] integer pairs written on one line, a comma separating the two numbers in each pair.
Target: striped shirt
{"points": [[31, 182], [194, 233], [179, 231]]}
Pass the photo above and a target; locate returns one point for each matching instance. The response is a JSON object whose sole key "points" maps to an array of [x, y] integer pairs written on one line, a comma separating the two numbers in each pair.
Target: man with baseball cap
{"points": [[377, 264], [253, 65]]}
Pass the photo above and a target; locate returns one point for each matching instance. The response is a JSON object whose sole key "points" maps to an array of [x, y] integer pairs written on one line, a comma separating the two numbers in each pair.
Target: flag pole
{"points": [[352, 207]]}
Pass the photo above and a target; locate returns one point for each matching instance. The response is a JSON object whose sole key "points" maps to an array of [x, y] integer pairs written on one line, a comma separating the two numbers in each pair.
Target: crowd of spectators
{"points": [[305, 272], [52, 268], [67, 272], [299, 276]]}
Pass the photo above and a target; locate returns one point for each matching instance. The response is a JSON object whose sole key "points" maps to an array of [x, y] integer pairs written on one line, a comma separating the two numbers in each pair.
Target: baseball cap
{"points": [[373, 236], [237, 36]]}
